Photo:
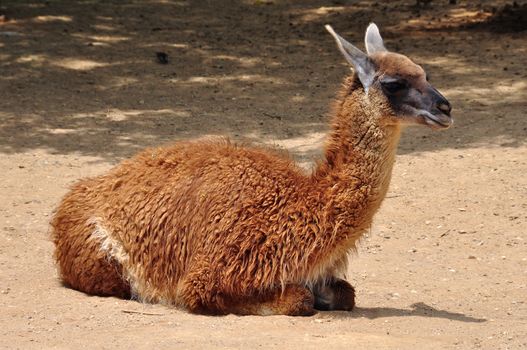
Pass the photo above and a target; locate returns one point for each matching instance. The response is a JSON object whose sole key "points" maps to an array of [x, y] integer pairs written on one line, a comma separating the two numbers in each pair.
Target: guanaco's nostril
{"points": [[441, 103], [444, 107]]}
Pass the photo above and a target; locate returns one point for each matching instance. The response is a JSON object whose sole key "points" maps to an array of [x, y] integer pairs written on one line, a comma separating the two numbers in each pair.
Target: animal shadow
{"points": [[416, 309]]}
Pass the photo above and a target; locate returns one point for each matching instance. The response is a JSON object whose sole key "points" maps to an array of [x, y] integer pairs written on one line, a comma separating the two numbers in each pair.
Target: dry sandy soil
{"points": [[445, 263]]}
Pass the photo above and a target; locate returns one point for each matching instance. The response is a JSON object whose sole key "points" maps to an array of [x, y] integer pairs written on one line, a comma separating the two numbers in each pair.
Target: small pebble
{"points": [[322, 320], [162, 57]]}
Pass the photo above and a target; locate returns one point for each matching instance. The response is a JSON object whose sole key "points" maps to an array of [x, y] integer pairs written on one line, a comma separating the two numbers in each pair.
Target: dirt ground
{"points": [[445, 263]]}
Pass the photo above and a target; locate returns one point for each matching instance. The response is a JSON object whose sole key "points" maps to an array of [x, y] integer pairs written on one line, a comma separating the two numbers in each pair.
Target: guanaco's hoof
{"points": [[337, 295]]}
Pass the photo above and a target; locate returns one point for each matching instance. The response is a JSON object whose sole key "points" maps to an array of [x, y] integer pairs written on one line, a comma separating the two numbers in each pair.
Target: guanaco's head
{"points": [[401, 84]]}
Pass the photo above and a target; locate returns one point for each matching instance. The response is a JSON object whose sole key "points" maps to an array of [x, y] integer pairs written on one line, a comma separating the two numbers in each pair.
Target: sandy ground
{"points": [[443, 267]]}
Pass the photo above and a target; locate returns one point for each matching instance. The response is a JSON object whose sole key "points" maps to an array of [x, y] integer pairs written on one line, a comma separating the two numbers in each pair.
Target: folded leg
{"points": [[200, 292]]}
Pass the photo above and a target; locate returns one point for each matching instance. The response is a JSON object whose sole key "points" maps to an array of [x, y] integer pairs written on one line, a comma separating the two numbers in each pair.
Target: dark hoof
{"points": [[337, 295]]}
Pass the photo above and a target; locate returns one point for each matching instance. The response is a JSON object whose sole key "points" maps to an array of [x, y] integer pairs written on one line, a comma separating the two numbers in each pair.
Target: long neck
{"points": [[345, 190], [359, 158]]}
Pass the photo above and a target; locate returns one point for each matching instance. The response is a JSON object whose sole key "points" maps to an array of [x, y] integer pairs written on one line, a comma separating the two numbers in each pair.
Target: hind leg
{"points": [[83, 264], [337, 294]]}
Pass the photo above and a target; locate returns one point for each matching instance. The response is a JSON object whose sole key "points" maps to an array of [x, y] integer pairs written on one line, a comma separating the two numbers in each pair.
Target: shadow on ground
{"points": [[417, 309], [82, 77]]}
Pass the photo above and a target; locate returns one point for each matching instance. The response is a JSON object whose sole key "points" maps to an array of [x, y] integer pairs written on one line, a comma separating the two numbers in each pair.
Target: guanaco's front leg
{"points": [[201, 292], [294, 300], [335, 294]]}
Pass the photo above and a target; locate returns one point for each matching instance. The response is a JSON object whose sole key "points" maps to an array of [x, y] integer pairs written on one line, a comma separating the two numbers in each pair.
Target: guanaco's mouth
{"points": [[437, 121]]}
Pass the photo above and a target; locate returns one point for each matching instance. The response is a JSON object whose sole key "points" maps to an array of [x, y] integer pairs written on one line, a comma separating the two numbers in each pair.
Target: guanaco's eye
{"points": [[394, 86]]}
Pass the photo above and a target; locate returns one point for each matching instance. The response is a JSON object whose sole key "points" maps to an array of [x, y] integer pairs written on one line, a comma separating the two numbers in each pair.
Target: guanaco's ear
{"points": [[360, 62], [373, 40]]}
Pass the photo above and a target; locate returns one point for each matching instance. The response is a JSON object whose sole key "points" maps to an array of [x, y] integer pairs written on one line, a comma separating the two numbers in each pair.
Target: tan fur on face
{"points": [[398, 65], [418, 103]]}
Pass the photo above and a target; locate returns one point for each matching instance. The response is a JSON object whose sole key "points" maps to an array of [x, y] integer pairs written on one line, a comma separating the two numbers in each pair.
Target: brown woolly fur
{"points": [[216, 228]]}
